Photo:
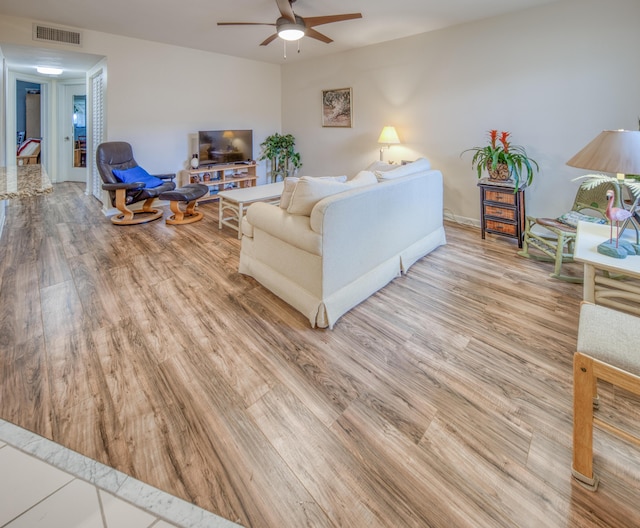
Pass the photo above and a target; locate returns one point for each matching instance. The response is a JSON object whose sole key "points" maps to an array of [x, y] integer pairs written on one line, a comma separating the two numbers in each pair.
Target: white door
{"points": [[73, 158]]}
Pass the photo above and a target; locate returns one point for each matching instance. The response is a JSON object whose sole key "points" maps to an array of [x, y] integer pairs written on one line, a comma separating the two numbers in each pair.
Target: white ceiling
{"points": [[192, 23]]}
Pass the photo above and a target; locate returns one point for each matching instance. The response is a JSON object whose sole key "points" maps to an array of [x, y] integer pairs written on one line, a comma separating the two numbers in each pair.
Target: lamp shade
{"points": [[389, 136], [616, 151]]}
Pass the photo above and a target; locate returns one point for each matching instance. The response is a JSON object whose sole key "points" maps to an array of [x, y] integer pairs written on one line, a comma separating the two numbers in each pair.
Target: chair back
{"points": [[114, 155], [595, 199]]}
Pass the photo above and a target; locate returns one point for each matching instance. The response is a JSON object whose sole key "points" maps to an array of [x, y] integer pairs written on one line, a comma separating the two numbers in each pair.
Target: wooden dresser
{"points": [[502, 211]]}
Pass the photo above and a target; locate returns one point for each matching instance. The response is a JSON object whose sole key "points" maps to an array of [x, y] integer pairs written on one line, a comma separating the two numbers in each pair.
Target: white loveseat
{"points": [[351, 243]]}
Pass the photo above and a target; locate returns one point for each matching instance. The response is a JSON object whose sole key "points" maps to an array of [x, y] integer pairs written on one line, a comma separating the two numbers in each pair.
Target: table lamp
{"points": [[614, 151], [388, 137]]}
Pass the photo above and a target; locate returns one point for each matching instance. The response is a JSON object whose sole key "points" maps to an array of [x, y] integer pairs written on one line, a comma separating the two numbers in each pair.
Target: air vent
{"points": [[53, 34]]}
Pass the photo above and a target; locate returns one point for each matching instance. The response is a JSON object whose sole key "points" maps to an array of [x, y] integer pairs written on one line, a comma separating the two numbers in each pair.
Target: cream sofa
{"points": [[324, 256]]}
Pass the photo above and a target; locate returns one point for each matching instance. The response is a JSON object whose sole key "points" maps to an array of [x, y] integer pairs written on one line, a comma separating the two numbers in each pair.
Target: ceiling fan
{"points": [[293, 27]]}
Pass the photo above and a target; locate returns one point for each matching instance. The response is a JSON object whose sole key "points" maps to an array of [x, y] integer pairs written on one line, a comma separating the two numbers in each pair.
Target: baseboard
{"points": [[462, 220]]}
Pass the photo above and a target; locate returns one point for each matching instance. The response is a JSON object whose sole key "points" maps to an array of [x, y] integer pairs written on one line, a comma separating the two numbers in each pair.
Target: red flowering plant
{"points": [[503, 160]]}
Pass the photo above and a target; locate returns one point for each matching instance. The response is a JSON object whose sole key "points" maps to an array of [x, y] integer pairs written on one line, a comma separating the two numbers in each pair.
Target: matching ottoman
{"points": [[188, 194]]}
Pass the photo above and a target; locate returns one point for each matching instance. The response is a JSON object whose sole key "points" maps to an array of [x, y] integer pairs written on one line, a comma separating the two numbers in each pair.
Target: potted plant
{"points": [[502, 160], [280, 150]]}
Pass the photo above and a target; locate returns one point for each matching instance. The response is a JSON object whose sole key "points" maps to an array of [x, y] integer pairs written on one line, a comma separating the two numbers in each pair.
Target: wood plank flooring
{"points": [[444, 400]]}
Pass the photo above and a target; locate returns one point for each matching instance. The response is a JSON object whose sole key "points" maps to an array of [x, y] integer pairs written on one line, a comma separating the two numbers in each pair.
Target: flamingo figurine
{"points": [[615, 214]]}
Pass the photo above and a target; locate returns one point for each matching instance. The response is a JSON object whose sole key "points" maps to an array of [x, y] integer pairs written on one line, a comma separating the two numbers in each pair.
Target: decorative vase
{"points": [[500, 173], [194, 162]]}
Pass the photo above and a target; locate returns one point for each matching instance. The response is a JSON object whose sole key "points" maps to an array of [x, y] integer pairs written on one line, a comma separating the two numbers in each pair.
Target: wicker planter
{"points": [[500, 173]]}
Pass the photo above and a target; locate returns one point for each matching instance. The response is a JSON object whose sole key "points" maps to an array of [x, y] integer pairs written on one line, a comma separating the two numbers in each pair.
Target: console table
{"points": [[22, 181], [501, 209]]}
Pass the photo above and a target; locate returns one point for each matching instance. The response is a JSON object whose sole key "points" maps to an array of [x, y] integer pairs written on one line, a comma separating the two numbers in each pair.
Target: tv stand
{"points": [[220, 177]]}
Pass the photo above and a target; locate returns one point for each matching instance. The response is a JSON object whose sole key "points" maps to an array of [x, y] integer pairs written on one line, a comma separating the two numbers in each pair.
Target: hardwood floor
{"points": [[444, 400]]}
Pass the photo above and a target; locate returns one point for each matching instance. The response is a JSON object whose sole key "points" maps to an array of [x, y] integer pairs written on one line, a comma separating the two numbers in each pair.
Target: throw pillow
{"points": [[381, 166], [137, 174], [340, 179], [421, 164], [364, 177], [291, 182], [287, 191], [573, 217], [309, 191]]}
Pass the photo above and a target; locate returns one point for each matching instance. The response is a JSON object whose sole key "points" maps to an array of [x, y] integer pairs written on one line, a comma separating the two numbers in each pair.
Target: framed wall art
{"points": [[337, 108]]}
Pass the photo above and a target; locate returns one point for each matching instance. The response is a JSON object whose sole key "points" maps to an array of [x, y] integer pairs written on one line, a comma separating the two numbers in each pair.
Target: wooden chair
{"points": [[607, 350], [555, 238]]}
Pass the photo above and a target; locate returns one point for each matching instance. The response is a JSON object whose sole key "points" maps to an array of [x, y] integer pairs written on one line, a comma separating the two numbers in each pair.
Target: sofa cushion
{"points": [[137, 174], [421, 164], [291, 182], [309, 191]]}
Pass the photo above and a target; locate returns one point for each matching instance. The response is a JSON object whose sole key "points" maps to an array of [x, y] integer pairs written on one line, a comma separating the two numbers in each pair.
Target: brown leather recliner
{"points": [[118, 155]]}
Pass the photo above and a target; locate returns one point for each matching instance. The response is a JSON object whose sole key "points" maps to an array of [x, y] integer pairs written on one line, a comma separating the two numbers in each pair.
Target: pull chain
{"points": [[284, 44]]}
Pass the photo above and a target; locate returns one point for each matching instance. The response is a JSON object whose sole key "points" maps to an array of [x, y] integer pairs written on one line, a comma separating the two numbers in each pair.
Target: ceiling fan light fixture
{"points": [[290, 32]]}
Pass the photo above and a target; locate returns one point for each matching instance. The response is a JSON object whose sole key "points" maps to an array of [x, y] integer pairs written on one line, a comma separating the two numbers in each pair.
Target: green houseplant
{"points": [[503, 160], [280, 150]]}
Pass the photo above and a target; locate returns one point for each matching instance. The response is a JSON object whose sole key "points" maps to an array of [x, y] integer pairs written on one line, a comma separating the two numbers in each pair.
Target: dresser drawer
{"points": [[502, 209], [502, 227], [500, 197], [500, 212]]}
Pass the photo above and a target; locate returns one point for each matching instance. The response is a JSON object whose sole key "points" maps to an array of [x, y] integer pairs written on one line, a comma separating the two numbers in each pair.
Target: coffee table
{"points": [[599, 287], [231, 207]]}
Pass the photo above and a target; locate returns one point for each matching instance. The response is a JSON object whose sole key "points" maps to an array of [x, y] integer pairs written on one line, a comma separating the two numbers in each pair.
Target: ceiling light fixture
{"points": [[47, 70], [288, 30]]}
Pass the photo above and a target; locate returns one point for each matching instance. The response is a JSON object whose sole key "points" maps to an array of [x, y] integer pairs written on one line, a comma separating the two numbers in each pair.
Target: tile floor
{"points": [[44, 485]]}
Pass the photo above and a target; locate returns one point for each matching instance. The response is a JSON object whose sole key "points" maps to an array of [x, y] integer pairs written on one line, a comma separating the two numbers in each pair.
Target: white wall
{"points": [[553, 76], [3, 114], [159, 95]]}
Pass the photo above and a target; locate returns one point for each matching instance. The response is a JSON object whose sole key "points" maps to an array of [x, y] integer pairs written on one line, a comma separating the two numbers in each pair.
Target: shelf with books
{"points": [[220, 177]]}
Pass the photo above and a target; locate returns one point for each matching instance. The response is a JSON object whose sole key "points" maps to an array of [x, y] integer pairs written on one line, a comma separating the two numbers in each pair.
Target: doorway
{"points": [[39, 126], [73, 131], [27, 111]]}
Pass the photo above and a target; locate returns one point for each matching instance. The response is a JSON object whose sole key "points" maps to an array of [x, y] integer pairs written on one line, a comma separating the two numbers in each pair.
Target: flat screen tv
{"points": [[221, 147]]}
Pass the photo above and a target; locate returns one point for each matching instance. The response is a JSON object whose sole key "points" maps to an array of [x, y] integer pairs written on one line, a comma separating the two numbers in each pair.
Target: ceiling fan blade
{"points": [[286, 10], [319, 20], [317, 35], [245, 24], [269, 40]]}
